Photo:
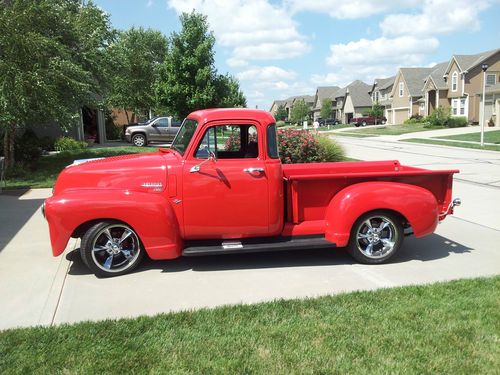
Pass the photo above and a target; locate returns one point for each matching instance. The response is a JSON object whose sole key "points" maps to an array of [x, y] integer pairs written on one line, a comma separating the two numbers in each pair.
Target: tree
{"points": [[138, 54], [326, 108], [53, 60], [300, 110], [189, 79], [280, 113], [377, 111]]}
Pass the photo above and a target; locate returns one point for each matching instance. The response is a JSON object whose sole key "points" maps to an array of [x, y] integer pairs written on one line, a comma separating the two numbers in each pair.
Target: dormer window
{"points": [[454, 81]]}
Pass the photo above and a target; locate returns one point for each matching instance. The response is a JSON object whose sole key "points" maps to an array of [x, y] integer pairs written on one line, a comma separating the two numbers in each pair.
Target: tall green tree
{"points": [[53, 60], [280, 113], [326, 108], [300, 111], [189, 79], [377, 111], [138, 54]]}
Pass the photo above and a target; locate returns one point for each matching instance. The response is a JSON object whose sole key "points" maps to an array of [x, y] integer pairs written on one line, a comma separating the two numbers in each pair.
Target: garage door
{"points": [[400, 115]]}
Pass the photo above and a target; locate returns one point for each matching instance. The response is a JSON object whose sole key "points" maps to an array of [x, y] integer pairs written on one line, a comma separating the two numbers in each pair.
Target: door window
{"points": [[229, 142], [162, 123]]}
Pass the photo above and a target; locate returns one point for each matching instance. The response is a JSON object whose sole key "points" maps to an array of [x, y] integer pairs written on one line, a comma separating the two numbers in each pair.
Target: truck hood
{"points": [[139, 172]]}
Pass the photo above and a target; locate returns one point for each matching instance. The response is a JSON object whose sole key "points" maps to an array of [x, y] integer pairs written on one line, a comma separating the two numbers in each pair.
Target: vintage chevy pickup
{"points": [[221, 188]]}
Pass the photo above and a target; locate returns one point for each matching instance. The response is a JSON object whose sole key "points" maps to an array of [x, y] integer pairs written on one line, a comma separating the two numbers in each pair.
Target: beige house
{"points": [[358, 101], [435, 90], [407, 94], [492, 105], [464, 79], [380, 93], [275, 106], [323, 92], [338, 99]]}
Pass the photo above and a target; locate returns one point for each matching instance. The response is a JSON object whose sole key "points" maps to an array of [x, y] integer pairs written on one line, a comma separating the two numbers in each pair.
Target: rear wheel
{"points": [[376, 237], [363, 123], [111, 249]]}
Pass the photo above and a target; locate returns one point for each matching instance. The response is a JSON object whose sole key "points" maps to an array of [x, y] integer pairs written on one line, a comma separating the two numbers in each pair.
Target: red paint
{"points": [[165, 204]]}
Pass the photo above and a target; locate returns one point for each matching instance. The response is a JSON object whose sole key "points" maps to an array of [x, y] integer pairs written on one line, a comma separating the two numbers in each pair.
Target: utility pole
{"points": [[481, 113]]}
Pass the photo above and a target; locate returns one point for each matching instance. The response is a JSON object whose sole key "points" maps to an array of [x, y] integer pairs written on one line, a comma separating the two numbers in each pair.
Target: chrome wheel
{"points": [[139, 140], [115, 248], [376, 237]]}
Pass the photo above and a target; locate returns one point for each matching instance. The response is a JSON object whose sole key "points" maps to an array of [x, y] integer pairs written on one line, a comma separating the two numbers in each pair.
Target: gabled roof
{"points": [[467, 62], [339, 93], [359, 93], [323, 92], [437, 75], [415, 80], [382, 83], [278, 103], [309, 99]]}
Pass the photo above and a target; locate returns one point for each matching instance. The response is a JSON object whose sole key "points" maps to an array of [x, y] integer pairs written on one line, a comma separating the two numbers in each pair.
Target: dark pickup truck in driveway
{"points": [[159, 129], [368, 120]]}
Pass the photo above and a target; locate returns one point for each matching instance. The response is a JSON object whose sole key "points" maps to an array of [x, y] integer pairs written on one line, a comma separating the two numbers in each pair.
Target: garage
{"points": [[400, 115]]}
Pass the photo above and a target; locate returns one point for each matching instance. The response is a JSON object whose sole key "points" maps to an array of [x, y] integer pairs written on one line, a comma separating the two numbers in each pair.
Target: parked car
{"points": [[158, 129], [210, 194], [328, 121], [368, 120]]}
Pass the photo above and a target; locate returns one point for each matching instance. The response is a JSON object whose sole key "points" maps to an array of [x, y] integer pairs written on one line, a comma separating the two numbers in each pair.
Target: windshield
{"points": [[184, 135]]}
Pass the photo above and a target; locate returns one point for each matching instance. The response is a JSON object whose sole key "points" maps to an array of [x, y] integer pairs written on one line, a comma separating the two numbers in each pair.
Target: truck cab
{"points": [[221, 188], [158, 129]]}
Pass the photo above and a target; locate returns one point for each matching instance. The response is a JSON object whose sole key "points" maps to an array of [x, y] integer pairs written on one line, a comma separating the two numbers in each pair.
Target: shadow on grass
{"points": [[425, 249]]}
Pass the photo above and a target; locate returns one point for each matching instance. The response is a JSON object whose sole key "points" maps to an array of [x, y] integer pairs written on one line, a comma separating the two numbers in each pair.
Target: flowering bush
{"points": [[297, 146], [233, 143]]}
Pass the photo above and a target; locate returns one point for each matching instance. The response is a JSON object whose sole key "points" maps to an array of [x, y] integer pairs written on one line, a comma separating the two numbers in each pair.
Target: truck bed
{"points": [[310, 187]]}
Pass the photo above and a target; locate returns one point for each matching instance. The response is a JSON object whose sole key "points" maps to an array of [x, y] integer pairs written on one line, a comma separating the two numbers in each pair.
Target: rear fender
{"points": [[150, 215], [418, 206]]}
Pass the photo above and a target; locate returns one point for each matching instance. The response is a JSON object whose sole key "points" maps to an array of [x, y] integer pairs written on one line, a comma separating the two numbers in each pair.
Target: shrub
{"points": [[27, 147], [457, 122], [67, 144], [234, 141], [296, 146], [113, 132], [280, 124], [439, 117], [414, 119]]}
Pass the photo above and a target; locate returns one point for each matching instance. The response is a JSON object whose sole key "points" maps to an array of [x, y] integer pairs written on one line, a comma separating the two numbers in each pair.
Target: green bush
{"points": [[27, 147], [67, 144], [280, 124], [113, 132], [439, 117], [457, 122], [296, 146], [414, 119]]}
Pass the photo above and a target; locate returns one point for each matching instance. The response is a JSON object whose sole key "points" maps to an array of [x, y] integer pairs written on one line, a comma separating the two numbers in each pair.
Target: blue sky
{"points": [[289, 47]]}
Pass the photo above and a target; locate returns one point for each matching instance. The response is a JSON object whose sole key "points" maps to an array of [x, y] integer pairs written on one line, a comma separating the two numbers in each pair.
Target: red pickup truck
{"points": [[207, 195], [367, 120]]}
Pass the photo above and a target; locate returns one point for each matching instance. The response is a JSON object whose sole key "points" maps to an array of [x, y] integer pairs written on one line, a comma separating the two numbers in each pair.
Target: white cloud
{"points": [[255, 30], [367, 59], [266, 73], [236, 63], [437, 17], [349, 9]]}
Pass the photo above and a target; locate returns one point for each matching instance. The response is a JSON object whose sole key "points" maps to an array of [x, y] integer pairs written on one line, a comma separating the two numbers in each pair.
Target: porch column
{"points": [[437, 99], [426, 111]]}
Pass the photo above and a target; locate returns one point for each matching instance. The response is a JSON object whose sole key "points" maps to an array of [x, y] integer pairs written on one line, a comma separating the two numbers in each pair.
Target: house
{"points": [[323, 92], [380, 93], [464, 84], [407, 94], [338, 99], [492, 104], [357, 102], [435, 90], [276, 104]]}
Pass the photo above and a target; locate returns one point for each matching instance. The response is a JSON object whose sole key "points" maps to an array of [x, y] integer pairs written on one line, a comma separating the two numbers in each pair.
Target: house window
{"points": [[458, 106], [491, 79], [401, 89], [454, 81]]}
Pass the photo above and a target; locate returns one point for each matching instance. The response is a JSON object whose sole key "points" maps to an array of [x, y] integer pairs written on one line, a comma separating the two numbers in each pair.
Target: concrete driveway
{"points": [[36, 288]]}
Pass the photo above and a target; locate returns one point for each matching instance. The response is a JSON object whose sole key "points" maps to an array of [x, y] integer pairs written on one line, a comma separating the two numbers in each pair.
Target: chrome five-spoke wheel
{"points": [[110, 249], [376, 237]]}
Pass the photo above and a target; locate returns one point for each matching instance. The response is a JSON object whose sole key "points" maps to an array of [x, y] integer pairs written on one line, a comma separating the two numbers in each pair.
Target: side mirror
{"points": [[197, 167]]}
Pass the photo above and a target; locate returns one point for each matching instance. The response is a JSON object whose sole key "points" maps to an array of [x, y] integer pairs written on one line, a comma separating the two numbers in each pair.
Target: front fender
{"points": [[416, 204], [150, 215]]}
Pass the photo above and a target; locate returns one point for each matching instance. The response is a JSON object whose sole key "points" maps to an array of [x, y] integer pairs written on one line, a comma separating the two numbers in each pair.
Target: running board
{"points": [[254, 245]]}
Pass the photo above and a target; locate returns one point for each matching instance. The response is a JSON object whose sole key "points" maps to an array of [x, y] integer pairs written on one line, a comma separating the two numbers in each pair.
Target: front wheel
{"points": [[111, 249], [363, 123], [139, 140], [375, 237]]}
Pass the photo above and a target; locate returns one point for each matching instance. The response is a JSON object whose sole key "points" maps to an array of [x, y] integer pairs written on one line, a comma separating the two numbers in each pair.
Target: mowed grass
{"points": [[435, 141], [393, 129], [489, 137], [43, 172], [446, 328]]}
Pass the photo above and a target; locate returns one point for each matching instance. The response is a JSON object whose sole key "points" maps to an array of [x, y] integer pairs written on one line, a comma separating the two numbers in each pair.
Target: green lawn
{"points": [[436, 141], [489, 137], [447, 328], [43, 172], [393, 129]]}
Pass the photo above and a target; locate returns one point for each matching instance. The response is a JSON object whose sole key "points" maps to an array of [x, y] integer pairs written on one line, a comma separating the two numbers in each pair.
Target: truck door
{"points": [[173, 128], [226, 198], [159, 130]]}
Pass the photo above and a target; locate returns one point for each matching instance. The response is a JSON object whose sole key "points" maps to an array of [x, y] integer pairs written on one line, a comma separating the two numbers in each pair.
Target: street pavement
{"points": [[38, 289]]}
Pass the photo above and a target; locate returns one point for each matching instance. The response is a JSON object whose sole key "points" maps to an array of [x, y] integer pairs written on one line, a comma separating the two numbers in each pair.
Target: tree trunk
{"points": [[126, 114], [8, 146]]}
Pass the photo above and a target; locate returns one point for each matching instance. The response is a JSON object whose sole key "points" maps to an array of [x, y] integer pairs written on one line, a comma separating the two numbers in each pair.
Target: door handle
{"points": [[252, 170]]}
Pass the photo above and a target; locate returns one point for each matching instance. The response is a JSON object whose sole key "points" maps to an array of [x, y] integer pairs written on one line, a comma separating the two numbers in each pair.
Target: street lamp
{"points": [[481, 113]]}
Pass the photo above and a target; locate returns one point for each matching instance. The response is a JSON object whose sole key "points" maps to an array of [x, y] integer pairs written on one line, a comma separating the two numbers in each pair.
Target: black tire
{"points": [[380, 240], [103, 249], [139, 140], [356, 125]]}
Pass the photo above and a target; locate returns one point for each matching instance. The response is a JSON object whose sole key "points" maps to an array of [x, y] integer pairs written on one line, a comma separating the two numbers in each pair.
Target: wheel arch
{"points": [[413, 204]]}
